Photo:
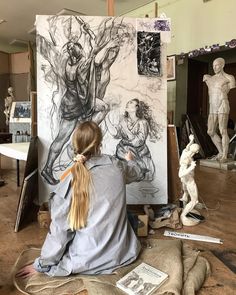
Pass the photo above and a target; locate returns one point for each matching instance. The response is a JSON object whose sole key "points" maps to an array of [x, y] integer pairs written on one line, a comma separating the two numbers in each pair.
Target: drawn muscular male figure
{"points": [[219, 86], [83, 99]]}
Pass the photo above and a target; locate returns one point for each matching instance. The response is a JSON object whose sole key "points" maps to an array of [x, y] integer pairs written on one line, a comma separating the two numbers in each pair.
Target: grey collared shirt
{"points": [[108, 241]]}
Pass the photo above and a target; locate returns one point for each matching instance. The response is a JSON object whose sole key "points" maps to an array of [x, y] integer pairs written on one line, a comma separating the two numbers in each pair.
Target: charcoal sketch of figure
{"points": [[155, 86], [85, 76], [113, 117], [148, 53], [133, 129], [146, 288], [133, 277], [153, 66], [136, 286]]}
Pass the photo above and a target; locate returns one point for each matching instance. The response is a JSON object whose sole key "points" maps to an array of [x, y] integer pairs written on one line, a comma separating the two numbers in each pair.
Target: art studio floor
{"points": [[216, 187]]}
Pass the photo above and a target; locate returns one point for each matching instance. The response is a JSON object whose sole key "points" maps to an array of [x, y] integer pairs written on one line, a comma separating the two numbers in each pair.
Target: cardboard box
{"points": [[142, 230]]}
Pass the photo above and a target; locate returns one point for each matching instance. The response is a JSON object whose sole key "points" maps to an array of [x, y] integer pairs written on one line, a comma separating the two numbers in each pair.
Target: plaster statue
{"points": [[8, 102], [219, 86], [186, 175]]}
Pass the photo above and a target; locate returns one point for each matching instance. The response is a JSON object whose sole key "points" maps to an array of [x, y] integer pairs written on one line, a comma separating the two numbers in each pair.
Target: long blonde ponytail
{"points": [[86, 141]]}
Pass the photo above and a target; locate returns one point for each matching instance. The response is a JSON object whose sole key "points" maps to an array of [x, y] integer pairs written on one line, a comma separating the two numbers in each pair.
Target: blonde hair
{"points": [[86, 141]]}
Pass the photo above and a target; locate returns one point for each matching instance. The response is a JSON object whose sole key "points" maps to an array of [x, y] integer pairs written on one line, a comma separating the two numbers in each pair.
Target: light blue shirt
{"points": [[108, 241]]}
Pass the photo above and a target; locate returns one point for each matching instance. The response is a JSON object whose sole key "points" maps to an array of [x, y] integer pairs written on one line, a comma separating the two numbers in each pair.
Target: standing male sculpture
{"points": [[219, 86]]}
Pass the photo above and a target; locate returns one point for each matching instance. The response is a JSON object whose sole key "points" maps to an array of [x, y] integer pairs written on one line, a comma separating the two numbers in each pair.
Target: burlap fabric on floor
{"points": [[186, 268]]}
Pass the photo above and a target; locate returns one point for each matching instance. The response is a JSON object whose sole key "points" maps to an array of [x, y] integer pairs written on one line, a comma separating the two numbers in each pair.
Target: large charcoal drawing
{"points": [[87, 70]]}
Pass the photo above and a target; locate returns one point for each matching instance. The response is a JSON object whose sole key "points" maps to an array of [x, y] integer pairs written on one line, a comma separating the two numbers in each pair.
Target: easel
{"points": [[111, 9], [156, 9], [174, 183]]}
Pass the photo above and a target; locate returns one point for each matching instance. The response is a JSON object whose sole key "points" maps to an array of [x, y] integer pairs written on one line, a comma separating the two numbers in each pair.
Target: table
{"points": [[5, 137], [18, 151]]}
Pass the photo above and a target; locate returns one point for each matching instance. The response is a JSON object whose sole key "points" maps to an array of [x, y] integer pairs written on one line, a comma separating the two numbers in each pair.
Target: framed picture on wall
{"points": [[170, 67], [21, 112]]}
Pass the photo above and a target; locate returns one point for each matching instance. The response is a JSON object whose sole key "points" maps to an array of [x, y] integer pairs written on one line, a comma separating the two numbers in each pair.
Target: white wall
{"points": [[195, 24]]}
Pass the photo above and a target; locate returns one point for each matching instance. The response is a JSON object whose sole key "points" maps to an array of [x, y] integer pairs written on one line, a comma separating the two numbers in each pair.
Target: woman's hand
{"points": [[26, 271], [129, 156]]}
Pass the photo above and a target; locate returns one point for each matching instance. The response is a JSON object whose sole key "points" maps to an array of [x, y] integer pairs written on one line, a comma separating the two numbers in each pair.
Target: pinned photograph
{"points": [[162, 25], [170, 68], [149, 53]]}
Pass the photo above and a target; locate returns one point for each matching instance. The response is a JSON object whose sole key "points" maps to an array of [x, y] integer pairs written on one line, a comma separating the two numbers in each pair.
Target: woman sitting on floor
{"points": [[89, 232]]}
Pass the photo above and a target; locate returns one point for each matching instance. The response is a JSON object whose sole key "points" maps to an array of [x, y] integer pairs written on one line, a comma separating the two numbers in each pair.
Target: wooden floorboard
{"points": [[217, 189]]}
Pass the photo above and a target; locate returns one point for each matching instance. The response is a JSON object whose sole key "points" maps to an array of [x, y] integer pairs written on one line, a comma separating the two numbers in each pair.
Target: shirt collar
{"points": [[101, 160]]}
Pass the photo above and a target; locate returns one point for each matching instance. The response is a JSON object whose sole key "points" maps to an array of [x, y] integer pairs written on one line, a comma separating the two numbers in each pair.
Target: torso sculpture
{"points": [[219, 86]]}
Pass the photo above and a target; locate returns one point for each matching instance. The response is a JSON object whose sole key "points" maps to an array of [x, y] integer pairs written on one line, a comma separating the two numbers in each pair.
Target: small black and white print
{"points": [[148, 53]]}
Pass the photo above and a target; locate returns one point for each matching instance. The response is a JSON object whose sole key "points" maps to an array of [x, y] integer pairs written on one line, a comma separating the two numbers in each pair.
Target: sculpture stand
{"points": [[229, 165], [189, 221], [192, 218]]}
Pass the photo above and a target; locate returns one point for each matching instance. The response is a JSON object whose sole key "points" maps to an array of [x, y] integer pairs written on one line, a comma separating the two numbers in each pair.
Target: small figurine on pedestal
{"points": [[186, 175], [8, 102], [219, 86]]}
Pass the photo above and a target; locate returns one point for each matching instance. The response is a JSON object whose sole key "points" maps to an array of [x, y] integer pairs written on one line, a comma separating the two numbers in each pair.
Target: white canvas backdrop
{"points": [[53, 35]]}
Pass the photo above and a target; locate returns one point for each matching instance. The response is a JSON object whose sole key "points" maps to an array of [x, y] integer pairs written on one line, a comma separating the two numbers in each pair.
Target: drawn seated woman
{"points": [[133, 129]]}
